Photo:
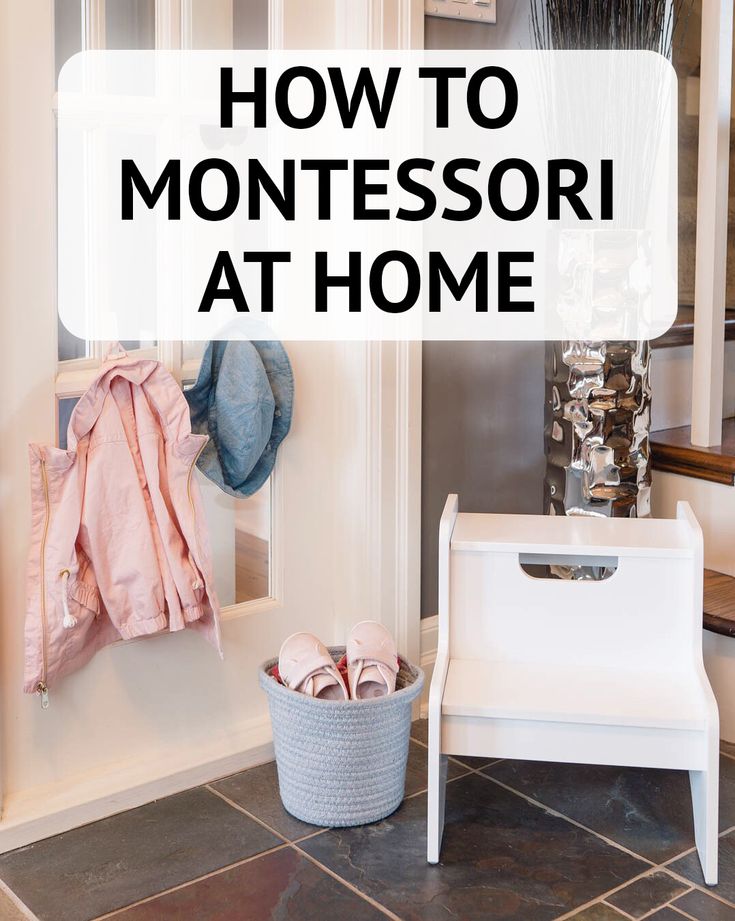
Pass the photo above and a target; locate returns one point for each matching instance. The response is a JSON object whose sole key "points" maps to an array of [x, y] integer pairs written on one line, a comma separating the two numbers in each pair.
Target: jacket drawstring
{"points": [[69, 619]]}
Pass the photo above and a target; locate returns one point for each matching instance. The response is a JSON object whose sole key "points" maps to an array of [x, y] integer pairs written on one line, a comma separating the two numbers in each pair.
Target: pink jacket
{"points": [[119, 546]]}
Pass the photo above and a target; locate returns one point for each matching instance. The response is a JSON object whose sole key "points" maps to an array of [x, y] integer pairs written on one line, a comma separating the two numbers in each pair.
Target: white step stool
{"points": [[598, 672]]}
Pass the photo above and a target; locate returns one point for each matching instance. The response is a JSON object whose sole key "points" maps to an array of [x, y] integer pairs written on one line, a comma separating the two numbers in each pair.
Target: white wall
{"points": [[714, 506], [511, 30], [671, 380]]}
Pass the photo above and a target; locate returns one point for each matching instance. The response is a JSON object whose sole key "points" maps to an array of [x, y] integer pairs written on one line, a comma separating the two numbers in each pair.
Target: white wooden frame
{"points": [[385, 554], [715, 107], [373, 24]]}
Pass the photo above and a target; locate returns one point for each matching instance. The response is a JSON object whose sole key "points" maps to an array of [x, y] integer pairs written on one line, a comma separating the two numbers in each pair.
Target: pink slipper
{"points": [[372, 661], [305, 665]]}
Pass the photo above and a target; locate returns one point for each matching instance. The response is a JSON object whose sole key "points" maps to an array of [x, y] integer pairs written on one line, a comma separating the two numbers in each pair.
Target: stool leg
{"points": [[705, 786], [435, 805], [437, 764]]}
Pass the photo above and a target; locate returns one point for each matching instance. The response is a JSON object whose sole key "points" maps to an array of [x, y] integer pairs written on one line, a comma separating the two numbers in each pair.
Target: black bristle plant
{"points": [[609, 25], [591, 25]]}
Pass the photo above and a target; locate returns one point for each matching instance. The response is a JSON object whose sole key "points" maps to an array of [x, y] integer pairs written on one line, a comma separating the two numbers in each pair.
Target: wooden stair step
{"points": [[719, 602], [682, 331], [673, 452]]}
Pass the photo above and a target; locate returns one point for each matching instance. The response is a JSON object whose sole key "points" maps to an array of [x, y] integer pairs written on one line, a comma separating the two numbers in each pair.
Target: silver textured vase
{"points": [[598, 409]]}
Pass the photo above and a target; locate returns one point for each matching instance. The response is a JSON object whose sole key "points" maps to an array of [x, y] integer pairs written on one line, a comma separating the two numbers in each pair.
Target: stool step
{"points": [[539, 534], [574, 693], [599, 672]]}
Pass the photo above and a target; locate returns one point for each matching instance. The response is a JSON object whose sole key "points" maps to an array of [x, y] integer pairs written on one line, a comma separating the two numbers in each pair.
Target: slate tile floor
{"points": [[523, 840]]}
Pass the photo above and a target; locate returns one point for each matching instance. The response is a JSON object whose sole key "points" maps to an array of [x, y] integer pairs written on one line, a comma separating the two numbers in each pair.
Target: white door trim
{"points": [[393, 386], [394, 488], [27, 280]]}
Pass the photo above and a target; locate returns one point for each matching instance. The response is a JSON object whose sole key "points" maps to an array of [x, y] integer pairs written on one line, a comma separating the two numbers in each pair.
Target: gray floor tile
{"points": [[703, 907], [642, 896], [420, 732], [111, 863], [598, 912], [690, 868], [417, 769], [282, 885], [646, 810], [257, 791], [502, 858]]}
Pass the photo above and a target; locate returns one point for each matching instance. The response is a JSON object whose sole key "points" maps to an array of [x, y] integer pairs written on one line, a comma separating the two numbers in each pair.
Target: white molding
{"points": [[712, 205], [392, 533], [277, 547], [429, 644], [170, 16], [93, 25], [276, 15], [27, 819], [351, 28], [376, 424], [408, 495], [170, 354], [429, 639], [395, 23], [380, 406]]}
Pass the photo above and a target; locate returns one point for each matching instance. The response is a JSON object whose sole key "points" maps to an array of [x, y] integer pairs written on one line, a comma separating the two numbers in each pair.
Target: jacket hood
{"points": [[243, 400], [162, 392]]}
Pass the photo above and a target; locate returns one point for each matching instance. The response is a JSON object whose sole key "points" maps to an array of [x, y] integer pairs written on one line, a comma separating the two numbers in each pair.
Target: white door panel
{"points": [[154, 715]]}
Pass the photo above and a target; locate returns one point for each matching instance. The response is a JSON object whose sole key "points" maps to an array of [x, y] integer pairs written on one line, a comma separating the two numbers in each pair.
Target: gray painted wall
{"points": [[483, 402], [512, 29]]}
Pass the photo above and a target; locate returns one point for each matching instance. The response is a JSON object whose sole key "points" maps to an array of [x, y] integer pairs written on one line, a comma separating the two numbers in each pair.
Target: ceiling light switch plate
{"points": [[470, 10]]}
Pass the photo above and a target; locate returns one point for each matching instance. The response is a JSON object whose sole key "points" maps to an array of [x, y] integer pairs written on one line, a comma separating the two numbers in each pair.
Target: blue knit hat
{"points": [[242, 399]]}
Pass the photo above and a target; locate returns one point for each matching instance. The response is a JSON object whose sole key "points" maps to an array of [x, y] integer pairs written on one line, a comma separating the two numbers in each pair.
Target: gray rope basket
{"points": [[341, 762]]}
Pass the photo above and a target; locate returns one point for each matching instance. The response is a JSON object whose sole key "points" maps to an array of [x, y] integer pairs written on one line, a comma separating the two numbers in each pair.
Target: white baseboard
{"points": [[41, 813], [429, 638]]}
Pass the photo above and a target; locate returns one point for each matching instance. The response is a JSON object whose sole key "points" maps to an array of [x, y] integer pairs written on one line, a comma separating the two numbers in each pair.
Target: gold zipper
{"points": [[41, 687]]}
